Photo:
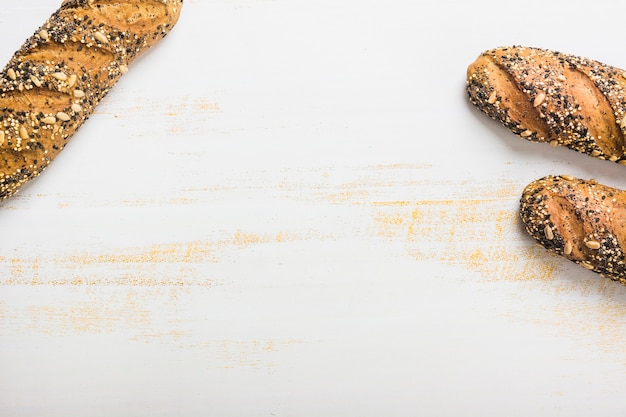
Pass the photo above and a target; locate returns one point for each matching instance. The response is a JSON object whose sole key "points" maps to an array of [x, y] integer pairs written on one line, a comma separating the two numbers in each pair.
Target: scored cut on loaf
{"points": [[581, 220], [548, 96], [53, 82]]}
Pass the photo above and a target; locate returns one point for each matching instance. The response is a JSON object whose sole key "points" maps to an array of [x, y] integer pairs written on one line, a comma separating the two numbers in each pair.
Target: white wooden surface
{"points": [[289, 208]]}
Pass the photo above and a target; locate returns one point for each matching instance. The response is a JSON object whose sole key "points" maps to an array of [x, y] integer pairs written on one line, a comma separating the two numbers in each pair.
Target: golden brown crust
{"points": [[547, 96], [53, 82], [581, 220]]}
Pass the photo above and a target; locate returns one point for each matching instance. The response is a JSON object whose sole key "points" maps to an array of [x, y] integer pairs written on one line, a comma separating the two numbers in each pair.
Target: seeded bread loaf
{"points": [[53, 82], [579, 219], [547, 96]]}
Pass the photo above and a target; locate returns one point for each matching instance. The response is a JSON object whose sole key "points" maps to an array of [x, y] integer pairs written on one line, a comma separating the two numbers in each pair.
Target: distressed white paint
{"points": [[289, 208]]}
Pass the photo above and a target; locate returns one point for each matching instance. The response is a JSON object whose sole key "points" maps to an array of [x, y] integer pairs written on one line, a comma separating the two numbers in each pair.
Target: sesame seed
{"points": [[492, 98], [64, 117], [526, 133], [539, 100], [561, 78], [100, 37], [548, 232], [567, 249], [61, 76], [35, 80], [593, 244], [11, 74], [23, 132], [72, 80]]}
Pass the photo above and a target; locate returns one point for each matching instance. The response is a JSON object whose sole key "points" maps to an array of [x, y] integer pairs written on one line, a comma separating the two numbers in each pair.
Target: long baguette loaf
{"points": [[53, 82], [547, 96], [579, 219]]}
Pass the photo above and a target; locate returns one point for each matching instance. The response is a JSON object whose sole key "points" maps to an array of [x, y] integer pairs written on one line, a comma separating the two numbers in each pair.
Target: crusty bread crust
{"points": [[579, 219], [53, 82], [565, 100], [548, 96]]}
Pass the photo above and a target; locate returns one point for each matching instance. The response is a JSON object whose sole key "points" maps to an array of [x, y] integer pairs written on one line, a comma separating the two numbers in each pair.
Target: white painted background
{"points": [[289, 208]]}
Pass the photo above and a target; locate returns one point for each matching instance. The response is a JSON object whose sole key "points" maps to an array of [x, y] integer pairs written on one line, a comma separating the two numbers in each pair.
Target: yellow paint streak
{"points": [[475, 233], [486, 237], [243, 240], [177, 264], [392, 203], [389, 224], [184, 105], [196, 251], [255, 354], [178, 201], [346, 196], [94, 317]]}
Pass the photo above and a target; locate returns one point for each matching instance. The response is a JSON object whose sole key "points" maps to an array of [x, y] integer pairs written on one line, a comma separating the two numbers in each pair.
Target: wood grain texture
{"points": [[294, 229]]}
